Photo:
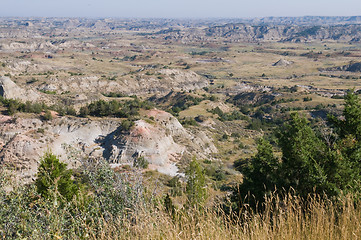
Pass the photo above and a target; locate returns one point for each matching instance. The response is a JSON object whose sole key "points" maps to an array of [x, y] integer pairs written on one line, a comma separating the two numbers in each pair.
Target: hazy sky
{"points": [[178, 8]]}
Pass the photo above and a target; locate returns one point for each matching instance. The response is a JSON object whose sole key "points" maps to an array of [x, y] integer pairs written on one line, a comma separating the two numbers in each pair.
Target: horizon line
{"points": [[175, 18]]}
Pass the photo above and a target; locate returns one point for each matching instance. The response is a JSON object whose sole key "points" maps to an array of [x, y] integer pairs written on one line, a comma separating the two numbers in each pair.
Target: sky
{"points": [[178, 8]]}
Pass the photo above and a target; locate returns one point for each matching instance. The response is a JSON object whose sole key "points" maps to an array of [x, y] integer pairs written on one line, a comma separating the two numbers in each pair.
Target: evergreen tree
{"points": [[84, 111], [309, 164], [53, 178], [260, 176], [303, 158], [196, 184], [169, 206], [350, 124], [348, 146]]}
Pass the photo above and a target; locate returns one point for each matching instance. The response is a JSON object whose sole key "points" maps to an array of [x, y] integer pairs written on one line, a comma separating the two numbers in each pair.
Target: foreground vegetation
{"points": [[118, 207], [323, 160], [302, 182], [311, 192]]}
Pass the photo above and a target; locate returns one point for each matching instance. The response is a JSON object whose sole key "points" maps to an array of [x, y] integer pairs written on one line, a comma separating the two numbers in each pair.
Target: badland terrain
{"points": [[166, 91]]}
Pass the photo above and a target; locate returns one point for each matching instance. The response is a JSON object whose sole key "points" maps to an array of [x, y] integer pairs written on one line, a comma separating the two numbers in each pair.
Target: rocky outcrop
{"points": [[352, 67], [282, 63], [304, 20], [241, 32], [9, 89], [306, 28], [159, 138], [21, 66], [180, 79], [252, 98], [148, 140], [30, 47]]}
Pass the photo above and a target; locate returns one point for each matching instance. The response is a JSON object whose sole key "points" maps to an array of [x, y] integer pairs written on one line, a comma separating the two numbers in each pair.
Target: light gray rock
{"points": [[9, 89], [162, 142], [282, 63]]}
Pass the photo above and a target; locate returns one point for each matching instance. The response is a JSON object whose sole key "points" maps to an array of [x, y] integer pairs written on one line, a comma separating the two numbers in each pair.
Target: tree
{"points": [[13, 106], [53, 178], [309, 164], [303, 158], [84, 111], [47, 115], [351, 123], [169, 206], [176, 186], [348, 144], [196, 185], [260, 177], [302, 167]]}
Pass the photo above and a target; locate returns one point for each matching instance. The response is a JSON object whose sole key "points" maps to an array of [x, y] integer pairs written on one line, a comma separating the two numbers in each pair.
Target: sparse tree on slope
{"points": [[196, 184]]}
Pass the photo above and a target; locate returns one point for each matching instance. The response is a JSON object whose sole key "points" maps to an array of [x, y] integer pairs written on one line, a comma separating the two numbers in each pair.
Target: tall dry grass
{"points": [[119, 209], [288, 219]]}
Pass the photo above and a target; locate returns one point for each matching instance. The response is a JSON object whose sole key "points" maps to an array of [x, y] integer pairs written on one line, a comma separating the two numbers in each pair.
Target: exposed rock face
{"points": [[252, 98], [148, 140], [189, 80], [293, 29], [20, 27], [31, 47], [162, 142], [352, 67], [224, 107], [305, 20], [19, 144], [8, 89], [355, 67], [282, 63], [241, 32], [21, 66], [48, 87]]}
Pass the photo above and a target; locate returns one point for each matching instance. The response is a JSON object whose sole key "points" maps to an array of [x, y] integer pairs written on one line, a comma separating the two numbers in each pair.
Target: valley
{"points": [[149, 97]]}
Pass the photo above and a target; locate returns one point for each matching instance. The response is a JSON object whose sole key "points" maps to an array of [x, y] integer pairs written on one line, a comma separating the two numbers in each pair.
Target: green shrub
{"points": [[47, 116], [84, 111], [14, 105], [53, 178], [127, 125], [127, 109], [41, 130], [176, 186], [70, 111], [141, 162], [255, 124], [224, 137], [189, 122]]}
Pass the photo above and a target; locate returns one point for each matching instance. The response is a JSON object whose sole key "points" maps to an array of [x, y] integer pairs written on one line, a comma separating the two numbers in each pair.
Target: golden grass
{"points": [[322, 219]]}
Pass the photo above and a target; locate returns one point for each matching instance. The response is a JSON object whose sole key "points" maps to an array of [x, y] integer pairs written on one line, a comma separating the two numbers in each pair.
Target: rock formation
{"points": [[352, 67], [9, 89], [282, 63], [160, 139]]}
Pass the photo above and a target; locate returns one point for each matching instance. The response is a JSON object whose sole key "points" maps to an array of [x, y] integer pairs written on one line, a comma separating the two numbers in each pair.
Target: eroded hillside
{"points": [[166, 91]]}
